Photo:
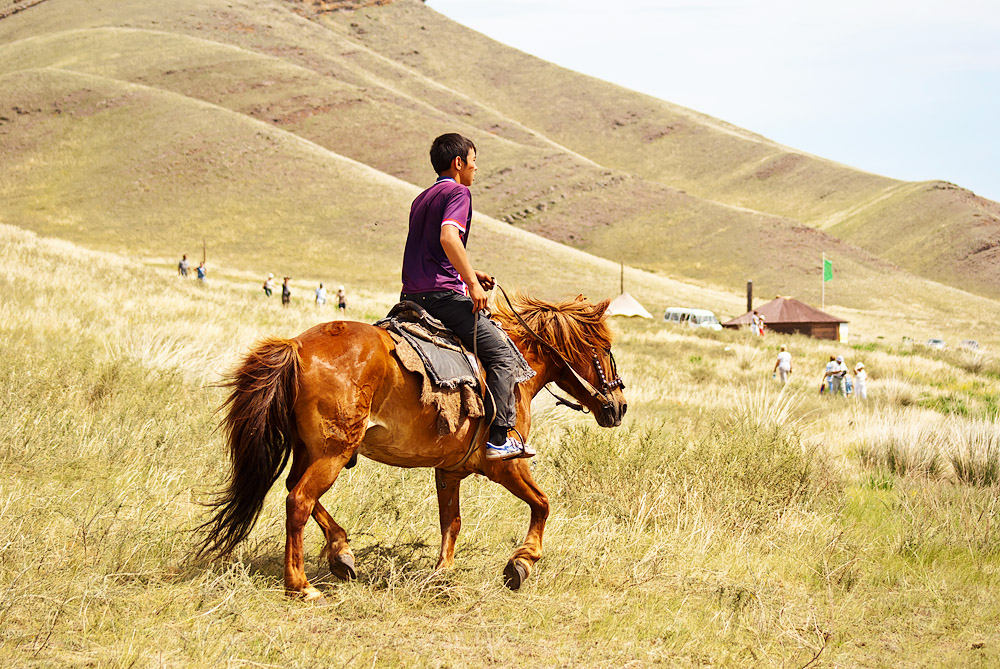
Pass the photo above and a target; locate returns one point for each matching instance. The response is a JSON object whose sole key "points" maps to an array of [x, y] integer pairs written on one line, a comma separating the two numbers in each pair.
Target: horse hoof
{"points": [[514, 574], [306, 594], [342, 566]]}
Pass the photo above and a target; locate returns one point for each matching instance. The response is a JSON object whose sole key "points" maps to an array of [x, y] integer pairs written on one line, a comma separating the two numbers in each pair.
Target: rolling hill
{"points": [[295, 134]]}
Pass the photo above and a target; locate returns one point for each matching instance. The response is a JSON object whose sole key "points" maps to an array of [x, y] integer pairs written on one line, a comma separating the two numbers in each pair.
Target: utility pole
{"points": [[749, 296]]}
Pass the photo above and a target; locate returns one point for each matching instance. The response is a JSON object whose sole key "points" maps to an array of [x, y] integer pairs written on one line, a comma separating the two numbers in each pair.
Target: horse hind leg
{"points": [[300, 504], [447, 484], [336, 549]]}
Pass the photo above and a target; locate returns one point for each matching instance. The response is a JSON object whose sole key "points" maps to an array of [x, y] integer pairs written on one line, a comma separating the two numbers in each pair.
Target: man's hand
{"points": [[485, 280], [478, 297]]}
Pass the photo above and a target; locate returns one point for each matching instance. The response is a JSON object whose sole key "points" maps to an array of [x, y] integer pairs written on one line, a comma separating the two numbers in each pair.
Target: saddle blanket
{"points": [[451, 373]]}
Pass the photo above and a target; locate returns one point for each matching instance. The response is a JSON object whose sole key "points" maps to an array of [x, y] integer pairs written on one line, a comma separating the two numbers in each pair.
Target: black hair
{"points": [[446, 147]]}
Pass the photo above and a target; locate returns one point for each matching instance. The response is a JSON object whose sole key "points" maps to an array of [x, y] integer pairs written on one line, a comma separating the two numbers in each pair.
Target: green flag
{"points": [[827, 270]]}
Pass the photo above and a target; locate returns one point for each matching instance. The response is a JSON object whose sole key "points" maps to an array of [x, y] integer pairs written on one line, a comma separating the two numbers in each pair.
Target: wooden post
{"points": [[749, 296]]}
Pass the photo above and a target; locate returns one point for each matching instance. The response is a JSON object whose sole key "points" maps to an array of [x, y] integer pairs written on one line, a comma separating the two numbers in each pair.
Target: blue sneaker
{"points": [[510, 449]]}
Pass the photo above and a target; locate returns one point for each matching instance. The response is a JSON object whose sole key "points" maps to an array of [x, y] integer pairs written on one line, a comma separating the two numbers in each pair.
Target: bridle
{"points": [[608, 385]]}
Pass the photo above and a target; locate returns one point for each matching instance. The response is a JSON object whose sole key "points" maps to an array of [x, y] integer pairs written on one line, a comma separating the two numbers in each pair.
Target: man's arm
{"points": [[451, 242]]}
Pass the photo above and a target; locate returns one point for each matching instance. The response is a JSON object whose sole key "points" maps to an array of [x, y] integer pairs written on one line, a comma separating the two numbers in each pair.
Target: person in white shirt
{"points": [[783, 366], [860, 381], [830, 368], [320, 295], [835, 373]]}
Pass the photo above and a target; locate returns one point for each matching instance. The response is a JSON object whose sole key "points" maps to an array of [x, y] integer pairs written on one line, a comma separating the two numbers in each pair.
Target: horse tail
{"points": [[259, 428]]}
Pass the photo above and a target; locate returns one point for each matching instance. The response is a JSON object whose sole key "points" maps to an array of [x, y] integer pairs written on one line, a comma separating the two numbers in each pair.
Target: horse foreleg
{"points": [[447, 484], [515, 475], [299, 505]]}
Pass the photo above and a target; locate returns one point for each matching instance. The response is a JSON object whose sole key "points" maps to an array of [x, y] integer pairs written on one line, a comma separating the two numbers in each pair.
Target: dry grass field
{"points": [[725, 523]]}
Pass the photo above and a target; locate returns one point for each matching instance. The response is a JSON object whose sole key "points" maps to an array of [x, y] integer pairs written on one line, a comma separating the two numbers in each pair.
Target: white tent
{"points": [[626, 305]]}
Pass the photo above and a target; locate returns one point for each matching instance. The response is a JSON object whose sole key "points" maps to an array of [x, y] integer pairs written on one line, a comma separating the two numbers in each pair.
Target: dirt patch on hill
{"points": [[15, 6], [783, 164], [319, 7]]}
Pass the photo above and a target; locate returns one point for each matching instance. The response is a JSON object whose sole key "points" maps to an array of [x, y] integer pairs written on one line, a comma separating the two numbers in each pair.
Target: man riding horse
{"points": [[339, 390], [438, 275]]}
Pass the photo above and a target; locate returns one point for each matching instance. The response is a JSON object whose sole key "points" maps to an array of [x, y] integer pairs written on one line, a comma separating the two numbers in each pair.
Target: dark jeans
{"points": [[455, 311]]}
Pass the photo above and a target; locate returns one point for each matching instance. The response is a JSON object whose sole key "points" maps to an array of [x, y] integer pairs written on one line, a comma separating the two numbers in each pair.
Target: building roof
{"points": [[786, 310], [626, 305]]}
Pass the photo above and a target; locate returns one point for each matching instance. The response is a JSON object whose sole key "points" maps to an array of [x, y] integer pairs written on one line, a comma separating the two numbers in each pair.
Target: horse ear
{"points": [[601, 307]]}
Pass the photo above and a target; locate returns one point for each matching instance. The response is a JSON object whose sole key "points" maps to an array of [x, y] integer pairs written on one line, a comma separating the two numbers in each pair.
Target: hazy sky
{"points": [[908, 89]]}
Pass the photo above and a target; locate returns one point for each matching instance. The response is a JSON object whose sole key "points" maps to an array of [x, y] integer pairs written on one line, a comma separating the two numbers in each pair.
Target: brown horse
{"points": [[338, 390]]}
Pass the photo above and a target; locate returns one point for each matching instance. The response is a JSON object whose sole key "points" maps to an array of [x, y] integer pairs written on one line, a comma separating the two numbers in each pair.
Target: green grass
{"points": [[726, 522]]}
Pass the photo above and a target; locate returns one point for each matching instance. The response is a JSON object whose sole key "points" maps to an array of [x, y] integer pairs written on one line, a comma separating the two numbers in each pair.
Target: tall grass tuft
{"points": [[897, 392], [922, 443], [906, 443], [764, 407], [974, 451]]}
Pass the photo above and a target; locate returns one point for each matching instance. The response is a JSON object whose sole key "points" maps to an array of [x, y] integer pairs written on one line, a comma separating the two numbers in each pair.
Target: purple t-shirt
{"points": [[426, 267]]}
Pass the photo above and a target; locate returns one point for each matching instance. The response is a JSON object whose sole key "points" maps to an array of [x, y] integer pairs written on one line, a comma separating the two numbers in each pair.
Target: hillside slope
{"points": [[340, 84], [314, 213], [938, 230]]}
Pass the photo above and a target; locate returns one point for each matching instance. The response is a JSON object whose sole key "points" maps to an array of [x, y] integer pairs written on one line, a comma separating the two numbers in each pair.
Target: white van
{"points": [[701, 318]]}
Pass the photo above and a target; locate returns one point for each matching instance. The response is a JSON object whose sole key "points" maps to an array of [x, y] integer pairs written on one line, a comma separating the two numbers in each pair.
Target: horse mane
{"points": [[572, 327]]}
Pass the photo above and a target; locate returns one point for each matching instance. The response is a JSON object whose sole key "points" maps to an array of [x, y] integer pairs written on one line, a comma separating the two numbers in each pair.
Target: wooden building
{"points": [[789, 316]]}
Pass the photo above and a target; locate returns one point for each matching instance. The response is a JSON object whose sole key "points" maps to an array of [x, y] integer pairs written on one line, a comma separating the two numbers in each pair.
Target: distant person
{"points": [[783, 366], [342, 301], [760, 325], [202, 271], [320, 295], [830, 368], [269, 285], [755, 325], [183, 267], [286, 292], [860, 381], [836, 371]]}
